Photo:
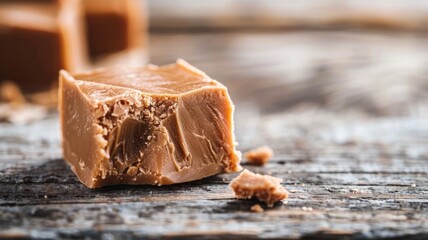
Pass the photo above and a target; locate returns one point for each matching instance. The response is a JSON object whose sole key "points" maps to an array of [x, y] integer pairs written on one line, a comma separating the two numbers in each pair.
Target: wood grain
{"points": [[345, 113]]}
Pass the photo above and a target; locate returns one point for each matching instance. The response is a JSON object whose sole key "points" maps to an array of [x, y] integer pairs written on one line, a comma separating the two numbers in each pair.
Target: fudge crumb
{"points": [[11, 93], [265, 188], [21, 114], [257, 208], [259, 156], [307, 209], [14, 107]]}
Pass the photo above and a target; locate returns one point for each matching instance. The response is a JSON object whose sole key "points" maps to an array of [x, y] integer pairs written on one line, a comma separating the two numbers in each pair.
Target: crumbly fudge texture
{"points": [[267, 189], [147, 125], [259, 156]]}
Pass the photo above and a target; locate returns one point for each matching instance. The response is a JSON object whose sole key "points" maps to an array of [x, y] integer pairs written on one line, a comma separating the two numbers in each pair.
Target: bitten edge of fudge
{"points": [[81, 114]]}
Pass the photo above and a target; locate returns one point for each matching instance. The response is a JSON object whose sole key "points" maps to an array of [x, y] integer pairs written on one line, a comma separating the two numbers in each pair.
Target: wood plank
{"points": [[225, 217], [345, 113]]}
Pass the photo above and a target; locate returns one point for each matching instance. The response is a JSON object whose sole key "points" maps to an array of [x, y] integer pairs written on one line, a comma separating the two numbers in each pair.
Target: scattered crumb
{"points": [[259, 156], [293, 190], [21, 114], [307, 209], [413, 185], [46, 196], [354, 190], [14, 108], [265, 188], [257, 208], [11, 93]]}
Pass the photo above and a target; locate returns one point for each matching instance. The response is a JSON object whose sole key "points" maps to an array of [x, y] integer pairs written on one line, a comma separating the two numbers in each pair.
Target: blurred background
{"points": [[337, 88], [304, 65], [277, 15], [355, 59]]}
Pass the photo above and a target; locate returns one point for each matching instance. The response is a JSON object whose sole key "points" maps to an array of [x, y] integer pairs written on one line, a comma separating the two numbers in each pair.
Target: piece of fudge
{"points": [[266, 188], [114, 26], [147, 125], [37, 39]]}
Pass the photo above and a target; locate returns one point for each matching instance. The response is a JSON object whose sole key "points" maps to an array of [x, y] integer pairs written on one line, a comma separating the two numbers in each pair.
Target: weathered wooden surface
{"points": [[344, 112]]}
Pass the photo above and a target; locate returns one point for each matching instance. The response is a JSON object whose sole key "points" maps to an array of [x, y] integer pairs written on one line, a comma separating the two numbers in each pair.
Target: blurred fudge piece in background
{"points": [[113, 25], [39, 38], [115, 32]]}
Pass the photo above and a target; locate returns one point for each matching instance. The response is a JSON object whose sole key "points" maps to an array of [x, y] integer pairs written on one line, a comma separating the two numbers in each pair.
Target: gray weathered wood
{"points": [[345, 113]]}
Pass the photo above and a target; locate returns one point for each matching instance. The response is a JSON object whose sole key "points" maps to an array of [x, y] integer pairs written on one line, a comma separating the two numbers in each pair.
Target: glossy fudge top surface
{"points": [[173, 79]]}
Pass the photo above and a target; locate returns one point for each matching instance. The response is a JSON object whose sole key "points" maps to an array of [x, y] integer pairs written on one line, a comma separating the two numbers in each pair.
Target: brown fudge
{"points": [[114, 25], [265, 188], [10, 93], [37, 39], [257, 208], [147, 125], [259, 156]]}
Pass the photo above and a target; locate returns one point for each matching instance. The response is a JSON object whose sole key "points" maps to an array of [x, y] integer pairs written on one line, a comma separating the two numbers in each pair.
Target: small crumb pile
{"points": [[265, 188], [259, 156], [14, 107], [11, 93]]}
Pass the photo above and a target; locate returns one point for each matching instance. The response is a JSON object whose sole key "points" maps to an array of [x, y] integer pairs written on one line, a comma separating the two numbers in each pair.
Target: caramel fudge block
{"points": [[39, 38], [266, 188], [113, 25], [147, 125]]}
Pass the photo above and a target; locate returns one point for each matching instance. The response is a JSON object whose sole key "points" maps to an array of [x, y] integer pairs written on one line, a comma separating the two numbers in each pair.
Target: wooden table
{"points": [[345, 112]]}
